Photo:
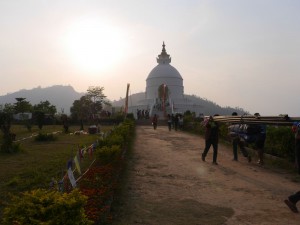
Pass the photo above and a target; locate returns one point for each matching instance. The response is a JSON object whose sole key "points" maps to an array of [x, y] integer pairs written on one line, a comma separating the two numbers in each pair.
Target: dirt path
{"points": [[169, 184]]}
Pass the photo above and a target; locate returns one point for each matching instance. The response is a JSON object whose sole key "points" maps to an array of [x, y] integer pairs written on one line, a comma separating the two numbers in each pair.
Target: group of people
{"points": [[212, 138], [142, 114], [175, 122]]}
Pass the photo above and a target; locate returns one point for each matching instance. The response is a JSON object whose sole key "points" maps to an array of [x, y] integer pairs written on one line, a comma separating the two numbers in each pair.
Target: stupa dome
{"points": [[165, 74], [164, 70]]}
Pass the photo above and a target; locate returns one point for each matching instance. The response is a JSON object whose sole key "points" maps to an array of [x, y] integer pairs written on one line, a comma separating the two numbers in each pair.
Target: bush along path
{"points": [[88, 203], [99, 185], [102, 179]]}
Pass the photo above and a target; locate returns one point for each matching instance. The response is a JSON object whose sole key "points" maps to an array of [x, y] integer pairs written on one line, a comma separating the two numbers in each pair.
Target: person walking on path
{"points": [[180, 122], [237, 141], [296, 131], [154, 121], [260, 141], [211, 138], [169, 122], [176, 121]]}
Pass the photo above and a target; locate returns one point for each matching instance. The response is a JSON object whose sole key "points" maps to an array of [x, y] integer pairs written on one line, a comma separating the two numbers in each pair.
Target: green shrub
{"points": [[108, 154], [115, 139], [120, 135], [124, 129], [45, 137], [223, 131], [112, 139], [10, 148], [46, 207], [280, 141], [130, 116]]}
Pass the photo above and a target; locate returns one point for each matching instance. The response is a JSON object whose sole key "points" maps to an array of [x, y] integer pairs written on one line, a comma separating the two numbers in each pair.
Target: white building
{"points": [[164, 91], [23, 116]]}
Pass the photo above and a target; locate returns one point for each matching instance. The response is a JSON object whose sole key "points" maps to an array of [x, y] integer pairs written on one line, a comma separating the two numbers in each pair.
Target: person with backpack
{"points": [[234, 133], [254, 134]]}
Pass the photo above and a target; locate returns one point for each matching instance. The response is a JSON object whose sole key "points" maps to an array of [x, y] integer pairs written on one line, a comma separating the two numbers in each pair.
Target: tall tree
{"points": [[95, 93], [22, 106], [45, 107], [81, 108], [89, 105], [41, 110], [9, 108], [39, 117]]}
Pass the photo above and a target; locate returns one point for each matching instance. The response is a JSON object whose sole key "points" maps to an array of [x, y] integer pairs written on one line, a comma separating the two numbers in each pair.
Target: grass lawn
{"points": [[38, 162]]}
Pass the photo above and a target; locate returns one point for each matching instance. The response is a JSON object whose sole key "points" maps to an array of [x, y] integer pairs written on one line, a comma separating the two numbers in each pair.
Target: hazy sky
{"points": [[238, 53]]}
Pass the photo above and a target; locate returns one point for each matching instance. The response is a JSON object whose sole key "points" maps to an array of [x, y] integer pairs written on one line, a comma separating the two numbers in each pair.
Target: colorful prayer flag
{"points": [[71, 178], [77, 164]]}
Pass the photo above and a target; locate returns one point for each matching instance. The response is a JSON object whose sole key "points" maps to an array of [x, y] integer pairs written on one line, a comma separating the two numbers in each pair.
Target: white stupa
{"points": [[164, 74], [164, 90]]}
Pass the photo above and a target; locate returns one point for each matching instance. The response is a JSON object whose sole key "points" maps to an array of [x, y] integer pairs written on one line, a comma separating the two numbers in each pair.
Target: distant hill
{"points": [[60, 96], [209, 107]]}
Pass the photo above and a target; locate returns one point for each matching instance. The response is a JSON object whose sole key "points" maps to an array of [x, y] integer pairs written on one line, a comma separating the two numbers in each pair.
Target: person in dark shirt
{"points": [[260, 141], [211, 138], [169, 122], [154, 121], [237, 141]]}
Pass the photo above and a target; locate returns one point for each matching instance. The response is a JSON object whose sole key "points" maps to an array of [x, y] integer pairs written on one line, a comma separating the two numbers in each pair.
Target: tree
{"points": [[41, 110], [9, 108], [40, 117], [96, 93], [80, 111], [98, 99], [6, 115], [22, 106], [45, 107], [89, 105]]}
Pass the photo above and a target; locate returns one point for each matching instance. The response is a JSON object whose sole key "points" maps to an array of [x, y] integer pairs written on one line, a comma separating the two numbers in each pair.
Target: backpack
{"points": [[251, 129]]}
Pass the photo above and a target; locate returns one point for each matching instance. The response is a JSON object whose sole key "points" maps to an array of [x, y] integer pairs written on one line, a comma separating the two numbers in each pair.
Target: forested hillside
{"points": [[60, 96]]}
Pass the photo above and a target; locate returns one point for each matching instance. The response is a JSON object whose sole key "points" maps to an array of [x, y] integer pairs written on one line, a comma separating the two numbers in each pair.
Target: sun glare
{"points": [[95, 45]]}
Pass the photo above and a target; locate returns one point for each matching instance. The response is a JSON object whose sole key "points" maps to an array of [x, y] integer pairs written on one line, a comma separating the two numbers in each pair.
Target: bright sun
{"points": [[95, 45]]}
